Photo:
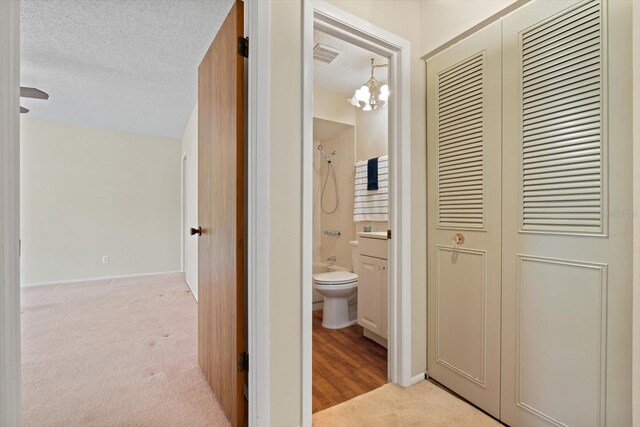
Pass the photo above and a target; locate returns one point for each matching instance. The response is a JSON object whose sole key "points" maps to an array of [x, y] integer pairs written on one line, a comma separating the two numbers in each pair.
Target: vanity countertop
{"points": [[382, 235]]}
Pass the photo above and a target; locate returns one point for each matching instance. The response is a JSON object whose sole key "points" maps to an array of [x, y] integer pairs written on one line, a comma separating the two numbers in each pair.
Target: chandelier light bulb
{"points": [[384, 93], [363, 94]]}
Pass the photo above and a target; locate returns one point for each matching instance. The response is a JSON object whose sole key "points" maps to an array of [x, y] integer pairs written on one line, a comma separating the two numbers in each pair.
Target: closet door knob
{"points": [[458, 239], [195, 231]]}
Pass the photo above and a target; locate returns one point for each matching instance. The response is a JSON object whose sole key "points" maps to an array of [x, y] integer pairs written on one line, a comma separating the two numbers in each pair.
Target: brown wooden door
{"points": [[221, 307]]}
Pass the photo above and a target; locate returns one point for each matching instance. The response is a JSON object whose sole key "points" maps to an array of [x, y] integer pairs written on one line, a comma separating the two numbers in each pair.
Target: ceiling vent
{"points": [[324, 53]]}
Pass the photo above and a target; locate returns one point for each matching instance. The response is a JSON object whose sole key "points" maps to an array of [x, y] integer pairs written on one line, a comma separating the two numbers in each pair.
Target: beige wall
{"points": [[88, 193], [332, 106], [285, 213], [342, 219], [317, 212], [190, 186], [372, 138], [443, 20]]}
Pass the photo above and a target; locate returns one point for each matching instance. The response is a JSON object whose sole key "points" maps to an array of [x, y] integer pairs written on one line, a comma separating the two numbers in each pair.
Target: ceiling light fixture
{"points": [[372, 94]]}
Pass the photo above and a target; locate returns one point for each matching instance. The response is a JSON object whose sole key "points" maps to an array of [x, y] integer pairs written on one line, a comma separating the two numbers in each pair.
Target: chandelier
{"points": [[372, 94]]}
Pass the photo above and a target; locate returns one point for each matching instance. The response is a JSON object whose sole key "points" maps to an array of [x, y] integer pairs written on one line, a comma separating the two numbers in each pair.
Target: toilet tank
{"points": [[354, 255]]}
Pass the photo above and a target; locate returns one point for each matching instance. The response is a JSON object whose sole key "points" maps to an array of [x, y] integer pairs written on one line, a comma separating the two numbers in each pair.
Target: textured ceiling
{"points": [[128, 65], [350, 70]]}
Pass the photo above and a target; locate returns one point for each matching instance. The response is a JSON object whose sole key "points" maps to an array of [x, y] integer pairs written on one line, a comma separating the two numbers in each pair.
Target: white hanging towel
{"points": [[372, 205]]}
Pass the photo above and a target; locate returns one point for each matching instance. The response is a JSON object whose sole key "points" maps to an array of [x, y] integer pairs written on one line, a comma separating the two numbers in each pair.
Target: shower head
{"points": [[326, 158]]}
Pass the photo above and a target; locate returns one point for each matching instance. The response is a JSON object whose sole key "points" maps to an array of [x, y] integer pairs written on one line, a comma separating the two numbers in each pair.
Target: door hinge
{"points": [[389, 234], [243, 46], [243, 362]]}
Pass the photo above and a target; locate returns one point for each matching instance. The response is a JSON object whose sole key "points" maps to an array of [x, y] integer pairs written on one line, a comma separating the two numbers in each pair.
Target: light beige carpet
{"points": [[114, 353], [424, 404]]}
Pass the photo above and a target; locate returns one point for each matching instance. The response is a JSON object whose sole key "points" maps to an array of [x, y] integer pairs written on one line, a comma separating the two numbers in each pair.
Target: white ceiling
{"points": [[350, 70], [128, 65]]}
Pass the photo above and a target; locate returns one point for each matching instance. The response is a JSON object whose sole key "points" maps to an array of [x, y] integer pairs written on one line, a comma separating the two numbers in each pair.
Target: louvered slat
{"points": [[562, 123], [461, 179]]}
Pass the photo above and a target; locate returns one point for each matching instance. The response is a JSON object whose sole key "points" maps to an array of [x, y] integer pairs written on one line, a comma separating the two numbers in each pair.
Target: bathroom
{"points": [[350, 221]]}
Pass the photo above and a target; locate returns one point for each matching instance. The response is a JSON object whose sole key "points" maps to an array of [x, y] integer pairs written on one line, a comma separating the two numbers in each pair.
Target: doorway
{"points": [[353, 30], [157, 184]]}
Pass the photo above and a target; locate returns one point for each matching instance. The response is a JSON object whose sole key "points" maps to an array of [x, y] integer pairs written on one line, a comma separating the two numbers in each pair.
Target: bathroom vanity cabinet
{"points": [[373, 279]]}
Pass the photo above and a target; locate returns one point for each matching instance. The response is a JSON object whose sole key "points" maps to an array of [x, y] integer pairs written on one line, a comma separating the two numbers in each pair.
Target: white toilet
{"points": [[337, 288]]}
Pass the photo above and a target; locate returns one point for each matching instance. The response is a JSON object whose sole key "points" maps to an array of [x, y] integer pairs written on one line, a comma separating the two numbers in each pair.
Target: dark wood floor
{"points": [[345, 364]]}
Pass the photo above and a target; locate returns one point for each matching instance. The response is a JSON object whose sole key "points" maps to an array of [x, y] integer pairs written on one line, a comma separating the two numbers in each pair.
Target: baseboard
{"points": [[195, 297], [97, 279], [419, 378]]}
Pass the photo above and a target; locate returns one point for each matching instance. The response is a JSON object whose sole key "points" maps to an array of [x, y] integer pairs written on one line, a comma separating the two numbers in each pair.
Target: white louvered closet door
{"points": [[464, 149], [567, 260]]}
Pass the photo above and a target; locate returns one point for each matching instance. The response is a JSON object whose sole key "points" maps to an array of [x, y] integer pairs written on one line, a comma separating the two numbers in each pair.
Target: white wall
{"points": [[88, 193], [443, 20], [190, 148]]}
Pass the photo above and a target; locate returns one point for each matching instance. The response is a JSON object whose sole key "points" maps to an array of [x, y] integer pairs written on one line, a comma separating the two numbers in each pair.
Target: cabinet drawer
{"points": [[376, 248]]}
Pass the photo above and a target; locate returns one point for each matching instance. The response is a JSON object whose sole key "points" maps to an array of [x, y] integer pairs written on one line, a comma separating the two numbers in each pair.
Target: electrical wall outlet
{"points": [[105, 259]]}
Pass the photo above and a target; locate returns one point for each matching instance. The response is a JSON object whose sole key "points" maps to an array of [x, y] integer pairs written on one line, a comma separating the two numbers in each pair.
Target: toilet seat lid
{"points": [[335, 278]]}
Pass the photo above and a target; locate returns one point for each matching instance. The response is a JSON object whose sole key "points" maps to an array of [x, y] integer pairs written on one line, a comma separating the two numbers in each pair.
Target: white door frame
{"points": [[10, 384], [257, 29], [336, 22]]}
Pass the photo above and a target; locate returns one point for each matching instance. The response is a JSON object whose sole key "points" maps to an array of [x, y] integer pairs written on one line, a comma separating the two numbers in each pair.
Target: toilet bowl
{"points": [[337, 288]]}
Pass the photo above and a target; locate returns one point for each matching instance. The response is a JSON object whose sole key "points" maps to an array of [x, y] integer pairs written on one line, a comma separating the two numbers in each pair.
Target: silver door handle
{"points": [[458, 239]]}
